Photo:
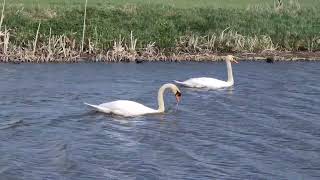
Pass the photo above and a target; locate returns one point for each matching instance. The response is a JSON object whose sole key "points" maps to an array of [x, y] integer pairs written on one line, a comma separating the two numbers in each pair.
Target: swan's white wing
{"points": [[124, 108], [189, 83], [204, 82]]}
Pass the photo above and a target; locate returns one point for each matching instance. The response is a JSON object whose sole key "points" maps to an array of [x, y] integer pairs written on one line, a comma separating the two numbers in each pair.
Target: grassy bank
{"points": [[48, 30], [186, 4]]}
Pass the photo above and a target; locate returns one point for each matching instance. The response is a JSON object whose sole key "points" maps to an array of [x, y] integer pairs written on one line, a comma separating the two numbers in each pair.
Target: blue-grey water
{"points": [[266, 127]]}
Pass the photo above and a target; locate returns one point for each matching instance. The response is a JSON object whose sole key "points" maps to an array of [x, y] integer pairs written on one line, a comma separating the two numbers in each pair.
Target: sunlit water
{"points": [[266, 127]]}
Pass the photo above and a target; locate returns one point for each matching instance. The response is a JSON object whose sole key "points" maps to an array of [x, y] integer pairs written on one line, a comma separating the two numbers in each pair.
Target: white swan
{"points": [[130, 108], [211, 83]]}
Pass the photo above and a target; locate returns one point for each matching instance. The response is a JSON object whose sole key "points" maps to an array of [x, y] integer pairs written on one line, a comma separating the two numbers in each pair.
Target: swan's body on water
{"points": [[130, 108], [123, 107], [211, 83]]}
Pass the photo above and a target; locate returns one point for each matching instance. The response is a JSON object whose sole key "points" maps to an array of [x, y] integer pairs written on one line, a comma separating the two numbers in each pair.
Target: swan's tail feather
{"points": [[98, 108], [91, 105], [182, 83], [179, 82]]}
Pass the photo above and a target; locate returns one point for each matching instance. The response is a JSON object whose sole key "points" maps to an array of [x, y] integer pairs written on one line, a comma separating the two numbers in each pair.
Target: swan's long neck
{"points": [[160, 96], [230, 74]]}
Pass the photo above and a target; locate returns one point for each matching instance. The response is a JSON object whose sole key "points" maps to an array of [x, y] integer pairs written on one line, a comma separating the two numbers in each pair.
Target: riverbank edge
{"points": [[70, 36], [156, 29], [272, 56]]}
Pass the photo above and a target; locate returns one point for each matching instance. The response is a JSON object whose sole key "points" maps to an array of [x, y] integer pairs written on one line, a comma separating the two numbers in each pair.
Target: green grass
{"points": [[165, 21], [174, 3]]}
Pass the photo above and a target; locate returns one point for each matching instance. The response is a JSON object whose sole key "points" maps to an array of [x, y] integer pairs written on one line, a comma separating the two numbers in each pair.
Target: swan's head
{"points": [[231, 58], [176, 91], [178, 95]]}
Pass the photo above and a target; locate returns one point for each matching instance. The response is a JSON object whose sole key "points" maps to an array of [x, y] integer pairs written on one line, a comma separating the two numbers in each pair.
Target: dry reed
{"points": [[84, 25]]}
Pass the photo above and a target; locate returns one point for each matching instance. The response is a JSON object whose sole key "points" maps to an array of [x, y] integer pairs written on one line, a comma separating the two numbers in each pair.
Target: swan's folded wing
{"points": [[124, 108], [193, 83], [204, 82], [214, 83], [130, 108]]}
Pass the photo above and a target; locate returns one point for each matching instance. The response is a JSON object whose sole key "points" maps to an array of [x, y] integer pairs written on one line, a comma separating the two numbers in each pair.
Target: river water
{"points": [[266, 127]]}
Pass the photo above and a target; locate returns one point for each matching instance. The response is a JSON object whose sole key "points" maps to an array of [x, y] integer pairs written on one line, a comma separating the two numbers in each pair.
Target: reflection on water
{"points": [[266, 127]]}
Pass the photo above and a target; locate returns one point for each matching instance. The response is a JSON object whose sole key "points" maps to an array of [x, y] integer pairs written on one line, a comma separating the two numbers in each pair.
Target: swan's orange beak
{"points": [[178, 96], [234, 59]]}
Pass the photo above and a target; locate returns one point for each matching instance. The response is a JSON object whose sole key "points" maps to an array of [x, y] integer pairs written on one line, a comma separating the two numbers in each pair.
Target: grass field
{"points": [[218, 25], [242, 4]]}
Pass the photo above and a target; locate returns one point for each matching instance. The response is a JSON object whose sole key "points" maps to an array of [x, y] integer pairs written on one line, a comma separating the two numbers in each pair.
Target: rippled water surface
{"points": [[266, 127]]}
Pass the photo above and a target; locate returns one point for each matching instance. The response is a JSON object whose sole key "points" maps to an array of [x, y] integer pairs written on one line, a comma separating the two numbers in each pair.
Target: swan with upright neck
{"points": [[130, 108], [211, 83]]}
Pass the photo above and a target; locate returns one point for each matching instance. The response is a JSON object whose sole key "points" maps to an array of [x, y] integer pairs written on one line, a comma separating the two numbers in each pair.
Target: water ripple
{"points": [[265, 127]]}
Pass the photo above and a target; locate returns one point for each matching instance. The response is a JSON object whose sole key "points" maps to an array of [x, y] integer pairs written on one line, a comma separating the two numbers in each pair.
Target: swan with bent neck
{"points": [[130, 108], [211, 83]]}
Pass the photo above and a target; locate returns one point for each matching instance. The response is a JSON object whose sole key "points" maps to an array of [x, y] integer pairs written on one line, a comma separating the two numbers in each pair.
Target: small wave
{"points": [[4, 169], [193, 155], [11, 124]]}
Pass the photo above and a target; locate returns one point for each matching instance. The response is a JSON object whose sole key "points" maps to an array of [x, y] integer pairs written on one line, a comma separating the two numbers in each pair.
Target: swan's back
{"points": [[205, 82], [125, 108]]}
